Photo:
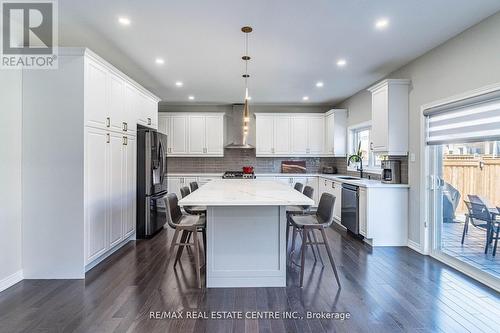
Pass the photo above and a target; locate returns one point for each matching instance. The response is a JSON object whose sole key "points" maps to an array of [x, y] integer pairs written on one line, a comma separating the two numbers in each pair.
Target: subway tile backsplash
{"points": [[235, 159]]}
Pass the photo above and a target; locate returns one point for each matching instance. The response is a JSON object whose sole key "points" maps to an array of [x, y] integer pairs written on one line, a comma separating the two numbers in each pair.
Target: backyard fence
{"points": [[473, 174]]}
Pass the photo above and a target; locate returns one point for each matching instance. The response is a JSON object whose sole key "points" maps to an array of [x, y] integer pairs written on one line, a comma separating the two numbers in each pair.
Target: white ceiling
{"points": [[295, 43]]}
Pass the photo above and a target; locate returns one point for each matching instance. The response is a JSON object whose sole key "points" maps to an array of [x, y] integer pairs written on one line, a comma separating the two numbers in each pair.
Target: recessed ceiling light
{"points": [[382, 23], [159, 61], [124, 20], [191, 98], [179, 84], [341, 62], [305, 98], [319, 84]]}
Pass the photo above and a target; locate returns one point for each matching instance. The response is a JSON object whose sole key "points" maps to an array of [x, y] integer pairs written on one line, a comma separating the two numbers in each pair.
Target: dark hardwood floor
{"points": [[384, 290]]}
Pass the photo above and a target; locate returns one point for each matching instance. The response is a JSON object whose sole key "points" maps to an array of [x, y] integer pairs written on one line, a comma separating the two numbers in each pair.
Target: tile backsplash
{"points": [[235, 159]]}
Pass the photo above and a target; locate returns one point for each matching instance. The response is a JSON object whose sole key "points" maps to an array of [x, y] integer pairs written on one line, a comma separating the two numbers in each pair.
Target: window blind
{"points": [[464, 121]]}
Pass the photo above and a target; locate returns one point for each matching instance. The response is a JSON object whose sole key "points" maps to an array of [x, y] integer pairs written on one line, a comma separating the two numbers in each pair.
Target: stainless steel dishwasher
{"points": [[350, 208]]}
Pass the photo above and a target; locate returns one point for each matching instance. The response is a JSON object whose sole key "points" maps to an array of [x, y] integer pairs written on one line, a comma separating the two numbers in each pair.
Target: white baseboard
{"points": [[11, 280], [415, 246]]}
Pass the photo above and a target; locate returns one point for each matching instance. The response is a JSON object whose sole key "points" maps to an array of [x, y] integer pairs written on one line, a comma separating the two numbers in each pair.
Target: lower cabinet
{"points": [[175, 183], [362, 211], [110, 202], [334, 188]]}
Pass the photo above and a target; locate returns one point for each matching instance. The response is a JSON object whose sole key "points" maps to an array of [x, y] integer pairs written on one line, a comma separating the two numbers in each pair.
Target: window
{"points": [[359, 137]]}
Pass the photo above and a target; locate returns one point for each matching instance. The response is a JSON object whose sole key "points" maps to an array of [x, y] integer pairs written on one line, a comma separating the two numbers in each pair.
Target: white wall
{"points": [[468, 61], [10, 173]]}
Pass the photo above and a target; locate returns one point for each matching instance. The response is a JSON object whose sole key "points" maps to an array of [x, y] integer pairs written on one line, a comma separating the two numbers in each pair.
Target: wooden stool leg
{"points": [[330, 256], [303, 255], [172, 245], [204, 235], [197, 257], [184, 237], [496, 242]]}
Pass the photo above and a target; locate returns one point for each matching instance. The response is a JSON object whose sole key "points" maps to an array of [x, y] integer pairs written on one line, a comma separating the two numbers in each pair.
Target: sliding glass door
{"points": [[463, 183]]}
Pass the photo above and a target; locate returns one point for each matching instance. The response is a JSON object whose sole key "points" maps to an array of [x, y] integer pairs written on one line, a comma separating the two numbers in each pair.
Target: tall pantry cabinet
{"points": [[79, 163]]}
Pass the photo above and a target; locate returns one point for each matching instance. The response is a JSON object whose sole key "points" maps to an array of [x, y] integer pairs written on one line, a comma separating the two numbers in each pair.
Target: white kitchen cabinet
{"points": [[116, 168], [116, 106], [85, 108], [96, 113], [298, 135], [383, 215], [214, 135], [178, 136], [315, 135], [130, 189], [389, 133], [196, 135], [96, 192], [193, 135], [265, 130], [282, 134], [363, 208], [337, 192], [113, 101], [176, 183], [336, 133]]}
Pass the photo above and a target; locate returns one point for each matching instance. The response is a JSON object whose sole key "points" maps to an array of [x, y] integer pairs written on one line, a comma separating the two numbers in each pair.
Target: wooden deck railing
{"points": [[473, 175]]}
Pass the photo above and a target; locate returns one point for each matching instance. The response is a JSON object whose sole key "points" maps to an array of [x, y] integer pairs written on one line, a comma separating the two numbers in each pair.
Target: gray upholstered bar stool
{"points": [[298, 186], [187, 225], [308, 223], [193, 210], [308, 192], [194, 186]]}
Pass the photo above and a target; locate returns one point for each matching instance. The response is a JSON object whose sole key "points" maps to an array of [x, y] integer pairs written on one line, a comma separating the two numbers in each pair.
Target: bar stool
{"points": [[194, 186], [193, 210], [298, 186], [308, 223], [187, 224], [308, 192]]}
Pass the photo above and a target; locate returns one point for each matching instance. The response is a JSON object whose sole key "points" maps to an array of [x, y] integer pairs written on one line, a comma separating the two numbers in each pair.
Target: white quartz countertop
{"points": [[336, 177], [245, 192]]}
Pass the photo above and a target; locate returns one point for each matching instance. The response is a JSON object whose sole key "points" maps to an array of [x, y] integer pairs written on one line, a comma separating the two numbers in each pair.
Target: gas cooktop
{"points": [[238, 175]]}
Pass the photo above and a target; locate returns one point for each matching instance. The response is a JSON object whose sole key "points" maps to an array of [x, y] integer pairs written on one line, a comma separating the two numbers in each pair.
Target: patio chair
{"points": [[481, 217]]}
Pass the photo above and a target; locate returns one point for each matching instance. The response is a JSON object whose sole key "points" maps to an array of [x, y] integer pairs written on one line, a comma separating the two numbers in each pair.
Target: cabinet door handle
{"points": [[125, 140], [107, 138], [149, 121], [371, 145], [333, 185], [108, 122], [125, 126]]}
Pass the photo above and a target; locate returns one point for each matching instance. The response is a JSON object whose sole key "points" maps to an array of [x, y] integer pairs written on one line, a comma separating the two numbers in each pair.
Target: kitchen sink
{"points": [[348, 178]]}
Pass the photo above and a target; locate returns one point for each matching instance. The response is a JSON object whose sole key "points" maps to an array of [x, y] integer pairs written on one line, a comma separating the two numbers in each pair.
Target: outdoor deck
{"points": [[472, 251]]}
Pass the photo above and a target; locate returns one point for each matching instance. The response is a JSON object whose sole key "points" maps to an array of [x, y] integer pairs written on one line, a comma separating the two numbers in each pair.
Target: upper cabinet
{"points": [[113, 101], [336, 133], [301, 135], [193, 134], [389, 133]]}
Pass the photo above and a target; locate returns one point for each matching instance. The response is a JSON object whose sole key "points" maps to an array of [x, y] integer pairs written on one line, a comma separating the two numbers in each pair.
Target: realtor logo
{"points": [[29, 34]]}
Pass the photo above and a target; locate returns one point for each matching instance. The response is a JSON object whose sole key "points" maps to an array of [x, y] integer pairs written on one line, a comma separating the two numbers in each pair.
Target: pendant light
{"points": [[246, 112]]}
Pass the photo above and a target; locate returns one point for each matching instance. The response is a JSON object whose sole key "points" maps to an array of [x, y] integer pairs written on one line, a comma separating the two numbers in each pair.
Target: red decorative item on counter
{"points": [[248, 169]]}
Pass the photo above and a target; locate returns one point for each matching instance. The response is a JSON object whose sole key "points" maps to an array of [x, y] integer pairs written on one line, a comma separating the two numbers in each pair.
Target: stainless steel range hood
{"points": [[234, 130]]}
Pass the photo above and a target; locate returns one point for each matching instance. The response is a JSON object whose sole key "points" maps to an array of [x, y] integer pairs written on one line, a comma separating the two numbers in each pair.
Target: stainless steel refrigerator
{"points": [[151, 181]]}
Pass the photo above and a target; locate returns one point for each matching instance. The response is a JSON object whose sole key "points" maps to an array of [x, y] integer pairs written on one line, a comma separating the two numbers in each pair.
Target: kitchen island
{"points": [[246, 227]]}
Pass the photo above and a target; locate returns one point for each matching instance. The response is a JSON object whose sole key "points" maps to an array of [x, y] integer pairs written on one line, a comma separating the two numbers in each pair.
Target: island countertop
{"points": [[245, 192]]}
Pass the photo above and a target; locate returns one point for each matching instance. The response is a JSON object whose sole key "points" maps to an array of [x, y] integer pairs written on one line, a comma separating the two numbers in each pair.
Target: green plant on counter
{"points": [[357, 157]]}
